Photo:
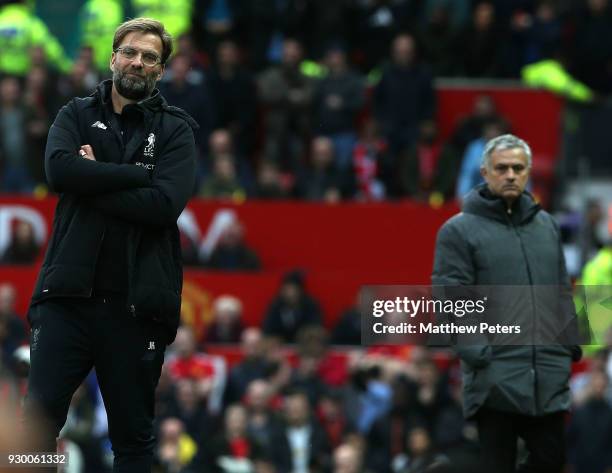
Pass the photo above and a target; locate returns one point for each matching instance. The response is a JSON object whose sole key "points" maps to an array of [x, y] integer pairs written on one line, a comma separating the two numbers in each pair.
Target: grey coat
{"points": [[487, 245]]}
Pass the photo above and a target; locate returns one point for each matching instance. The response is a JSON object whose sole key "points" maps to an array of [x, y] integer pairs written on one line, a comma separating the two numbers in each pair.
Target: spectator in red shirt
{"points": [[370, 163], [208, 372], [232, 449], [333, 418]]}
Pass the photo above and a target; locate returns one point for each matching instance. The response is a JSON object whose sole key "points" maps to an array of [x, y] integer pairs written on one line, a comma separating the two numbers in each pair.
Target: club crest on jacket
{"points": [[150, 147]]}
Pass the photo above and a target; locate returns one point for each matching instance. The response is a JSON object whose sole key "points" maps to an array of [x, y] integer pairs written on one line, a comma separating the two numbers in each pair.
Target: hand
{"points": [[86, 152]]}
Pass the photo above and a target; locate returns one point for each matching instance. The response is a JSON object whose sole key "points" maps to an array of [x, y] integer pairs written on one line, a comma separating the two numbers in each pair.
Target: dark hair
{"points": [[145, 25], [293, 391], [294, 276]]}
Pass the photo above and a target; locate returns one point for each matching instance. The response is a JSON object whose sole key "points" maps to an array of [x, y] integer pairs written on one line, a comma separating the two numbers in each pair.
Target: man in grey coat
{"points": [[504, 238]]}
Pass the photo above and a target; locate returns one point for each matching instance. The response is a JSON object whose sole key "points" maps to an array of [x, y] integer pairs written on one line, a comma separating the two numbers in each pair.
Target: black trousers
{"points": [[544, 439], [68, 338]]}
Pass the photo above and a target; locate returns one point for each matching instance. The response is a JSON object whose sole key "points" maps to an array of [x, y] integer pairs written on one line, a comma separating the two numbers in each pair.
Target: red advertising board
{"points": [[339, 247]]}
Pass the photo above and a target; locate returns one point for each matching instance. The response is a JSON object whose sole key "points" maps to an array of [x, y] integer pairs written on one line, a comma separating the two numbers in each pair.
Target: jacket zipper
{"points": [[97, 256], [119, 138], [130, 303], [116, 134], [530, 278], [135, 241]]}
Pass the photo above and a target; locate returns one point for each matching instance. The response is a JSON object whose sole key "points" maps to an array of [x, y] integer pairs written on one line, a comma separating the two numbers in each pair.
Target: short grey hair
{"points": [[503, 142]]}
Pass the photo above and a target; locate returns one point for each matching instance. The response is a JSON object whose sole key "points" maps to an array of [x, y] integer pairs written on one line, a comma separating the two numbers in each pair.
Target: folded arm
{"points": [[171, 187], [68, 172]]}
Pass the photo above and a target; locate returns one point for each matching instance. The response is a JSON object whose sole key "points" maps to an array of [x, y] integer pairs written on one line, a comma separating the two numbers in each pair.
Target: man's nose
{"points": [[137, 61]]}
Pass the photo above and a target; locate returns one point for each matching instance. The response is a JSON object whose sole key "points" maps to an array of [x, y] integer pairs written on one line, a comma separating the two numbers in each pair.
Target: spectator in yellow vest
{"points": [[20, 30], [99, 20], [174, 14]]}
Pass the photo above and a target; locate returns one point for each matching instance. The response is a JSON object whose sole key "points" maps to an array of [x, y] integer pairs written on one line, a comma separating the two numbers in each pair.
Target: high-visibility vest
{"points": [[550, 74], [99, 20], [20, 30], [598, 271], [174, 14], [313, 69], [593, 296]]}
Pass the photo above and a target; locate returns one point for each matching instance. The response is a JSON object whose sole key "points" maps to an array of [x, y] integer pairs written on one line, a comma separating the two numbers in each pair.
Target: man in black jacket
{"points": [[108, 293], [503, 238]]}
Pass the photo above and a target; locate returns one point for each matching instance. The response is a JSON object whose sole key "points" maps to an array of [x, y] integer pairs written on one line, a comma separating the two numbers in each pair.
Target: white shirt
{"points": [[299, 441]]}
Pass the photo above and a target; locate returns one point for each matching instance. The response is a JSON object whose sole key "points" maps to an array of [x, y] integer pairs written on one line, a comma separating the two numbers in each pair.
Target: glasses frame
{"points": [[121, 50]]}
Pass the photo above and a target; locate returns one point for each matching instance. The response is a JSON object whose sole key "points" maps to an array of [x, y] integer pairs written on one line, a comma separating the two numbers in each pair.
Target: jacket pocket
{"points": [[66, 280], [158, 304], [475, 356]]}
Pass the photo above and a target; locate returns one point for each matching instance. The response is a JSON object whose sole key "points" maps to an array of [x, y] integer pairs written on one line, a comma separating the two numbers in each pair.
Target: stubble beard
{"points": [[134, 88]]}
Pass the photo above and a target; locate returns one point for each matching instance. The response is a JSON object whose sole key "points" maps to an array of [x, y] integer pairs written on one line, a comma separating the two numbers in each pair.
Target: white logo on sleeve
{"points": [[150, 147], [99, 124], [151, 346]]}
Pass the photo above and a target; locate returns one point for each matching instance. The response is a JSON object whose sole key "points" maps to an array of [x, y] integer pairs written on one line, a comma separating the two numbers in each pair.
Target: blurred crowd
{"points": [[312, 100], [322, 101], [292, 396]]}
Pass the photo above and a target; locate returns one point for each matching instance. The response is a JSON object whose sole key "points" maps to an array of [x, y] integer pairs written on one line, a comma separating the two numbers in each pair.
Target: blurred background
{"points": [[336, 136]]}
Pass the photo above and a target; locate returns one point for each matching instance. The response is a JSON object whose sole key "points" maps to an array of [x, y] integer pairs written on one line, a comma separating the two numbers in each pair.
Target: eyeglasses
{"points": [[148, 59]]}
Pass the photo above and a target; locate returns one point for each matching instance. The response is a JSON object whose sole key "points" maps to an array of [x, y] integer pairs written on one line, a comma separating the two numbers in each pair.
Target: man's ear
{"points": [[162, 69], [483, 171], [111, 64]]}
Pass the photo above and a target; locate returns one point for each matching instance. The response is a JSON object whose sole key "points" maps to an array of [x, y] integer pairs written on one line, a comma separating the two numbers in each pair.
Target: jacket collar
{"points": [[156, 102], [153, 103], [480, 201]]}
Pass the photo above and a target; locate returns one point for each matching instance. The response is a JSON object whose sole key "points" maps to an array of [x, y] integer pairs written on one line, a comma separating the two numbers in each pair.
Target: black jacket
{"points": [[318, 448], [145, 183]]}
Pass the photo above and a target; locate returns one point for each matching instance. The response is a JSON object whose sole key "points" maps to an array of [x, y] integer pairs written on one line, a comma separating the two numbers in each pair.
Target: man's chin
{"points": [[511, 194], [132, 88], [132, 93]]}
